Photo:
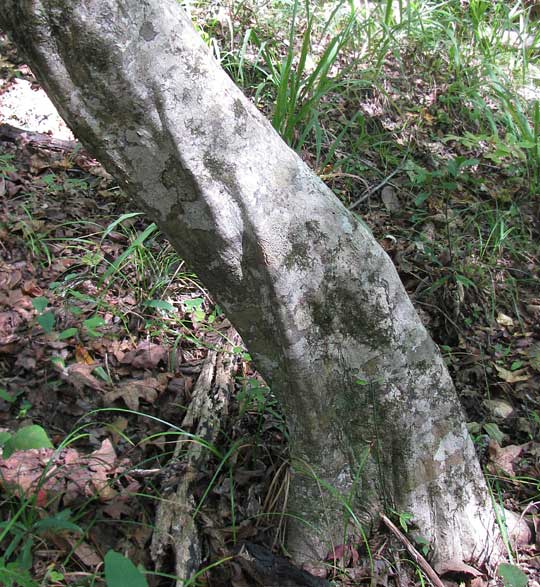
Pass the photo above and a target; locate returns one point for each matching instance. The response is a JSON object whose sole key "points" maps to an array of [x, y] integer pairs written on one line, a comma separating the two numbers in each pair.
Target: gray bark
{"points": [[317, 301]]}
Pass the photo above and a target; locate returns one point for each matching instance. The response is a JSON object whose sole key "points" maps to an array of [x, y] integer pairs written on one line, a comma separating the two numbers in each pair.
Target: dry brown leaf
{"points": [[9, 321], [390, 199], [518, 530], [86, 553], [67, 542], [511, 376], [89, 475], [147, 355], [80, 376], [27, 359], [457, 567], [504, 320], [9, 277], [503, 457], [83, 356], [135, 390], [117, 508], [24, 469], [31, 288], [117, 427], [317, 570], [57, 473], [9, 344]]}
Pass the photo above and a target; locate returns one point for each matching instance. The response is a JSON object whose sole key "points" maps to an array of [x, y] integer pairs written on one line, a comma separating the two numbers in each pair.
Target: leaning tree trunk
{"points": [[373, 416]]}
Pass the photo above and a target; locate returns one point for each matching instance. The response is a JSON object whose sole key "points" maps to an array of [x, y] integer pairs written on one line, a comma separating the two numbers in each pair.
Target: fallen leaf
{"points": [[517, 528], [67, 542], [511, 376], [80, 376], [9, 321], [504, 320], [31, 288], [147, 355], [85, 553], [117, 427], [117, 508], [89, 476], [57, 473], [317, 570], [499, 408], [9, 277], [504, 458], [459, 569], [343, 554], [135, 390], [390, 199], [83, 356], [25, 469]]}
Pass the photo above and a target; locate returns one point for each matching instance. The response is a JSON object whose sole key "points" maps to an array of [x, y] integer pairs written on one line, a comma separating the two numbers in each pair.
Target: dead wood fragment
{"points": [[269, 570], [417, 557], [37, 139], [175, 526]]}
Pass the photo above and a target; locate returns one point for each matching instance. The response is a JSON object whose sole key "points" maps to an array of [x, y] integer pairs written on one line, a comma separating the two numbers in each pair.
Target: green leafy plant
{"points": [[14, 575], [6, 165], [512, 576], [299, 88], [120, 572], [33, 436], [45, 319]]}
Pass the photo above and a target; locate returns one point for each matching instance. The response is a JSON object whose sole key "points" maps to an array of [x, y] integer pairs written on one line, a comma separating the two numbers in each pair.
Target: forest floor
{"points": [[104, 333]]}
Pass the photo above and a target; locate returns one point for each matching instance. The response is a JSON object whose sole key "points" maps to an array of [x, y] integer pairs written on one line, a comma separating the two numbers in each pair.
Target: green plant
{"points": [[255, 396], [300, 89], [523, 123], [120, 571], [350, 517], [35, 237], [32, 436], [45, 319], [55, 184], [6, 165], [20, 534], [512, 576]]}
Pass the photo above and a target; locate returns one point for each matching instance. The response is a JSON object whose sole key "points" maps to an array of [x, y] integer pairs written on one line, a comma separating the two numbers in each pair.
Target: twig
{"points": [[417, 557], [371, 191], [143, 473]]}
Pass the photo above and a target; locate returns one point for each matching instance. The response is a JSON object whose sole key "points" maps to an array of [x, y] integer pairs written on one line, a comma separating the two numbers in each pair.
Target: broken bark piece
{"points": [[176, 526], [269, 570], [37, 139]]}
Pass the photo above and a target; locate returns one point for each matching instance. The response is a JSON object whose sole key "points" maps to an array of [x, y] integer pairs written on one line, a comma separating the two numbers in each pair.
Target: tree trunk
{"points": [[373, 416]]}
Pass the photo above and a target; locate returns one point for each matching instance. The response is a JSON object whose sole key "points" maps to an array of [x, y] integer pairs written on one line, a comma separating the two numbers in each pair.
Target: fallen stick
{"points": [[176, 525], [37, 139], [417, 557]]}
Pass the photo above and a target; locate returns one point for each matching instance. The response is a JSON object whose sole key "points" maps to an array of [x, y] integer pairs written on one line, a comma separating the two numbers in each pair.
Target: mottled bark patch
{"points": [[147, 31]]}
